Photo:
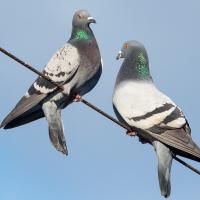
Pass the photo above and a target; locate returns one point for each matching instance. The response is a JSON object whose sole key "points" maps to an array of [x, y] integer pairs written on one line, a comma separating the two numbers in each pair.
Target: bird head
{"points": [[130, 48], [82, 18], [135, 59]]}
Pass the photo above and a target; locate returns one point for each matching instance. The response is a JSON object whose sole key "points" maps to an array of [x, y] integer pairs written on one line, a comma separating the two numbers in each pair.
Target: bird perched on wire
{"points": [[138, 103], [76, 67]]}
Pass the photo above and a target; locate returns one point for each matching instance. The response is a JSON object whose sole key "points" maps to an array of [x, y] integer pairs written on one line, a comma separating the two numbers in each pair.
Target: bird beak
{"points": [[91, 20], [120, 55]]}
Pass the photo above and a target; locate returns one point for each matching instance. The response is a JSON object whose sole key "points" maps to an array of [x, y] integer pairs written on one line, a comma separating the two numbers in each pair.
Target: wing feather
{"points": [[23, 106], [143, 106], [60, 68], [180, 141]]}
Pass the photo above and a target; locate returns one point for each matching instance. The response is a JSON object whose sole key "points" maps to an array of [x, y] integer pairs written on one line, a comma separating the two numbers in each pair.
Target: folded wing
{"points": [[61, 68]]}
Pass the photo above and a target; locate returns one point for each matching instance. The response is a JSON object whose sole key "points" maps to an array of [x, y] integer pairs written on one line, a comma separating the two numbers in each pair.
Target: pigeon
{"points": [[77, 67], [139, 104]]}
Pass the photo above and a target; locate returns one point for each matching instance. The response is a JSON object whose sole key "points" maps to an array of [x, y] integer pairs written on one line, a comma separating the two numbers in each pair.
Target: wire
{"points": [[60, 87]]}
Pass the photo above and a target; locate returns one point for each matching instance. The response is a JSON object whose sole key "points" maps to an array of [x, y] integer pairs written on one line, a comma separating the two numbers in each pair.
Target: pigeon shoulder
{"points": [[137, 96], [144, 106], [63, 63], [60, 68]]}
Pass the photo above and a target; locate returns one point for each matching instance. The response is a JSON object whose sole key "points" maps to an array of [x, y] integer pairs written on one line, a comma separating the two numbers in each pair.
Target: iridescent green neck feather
{"points": [[82, 35], [142, 66]]}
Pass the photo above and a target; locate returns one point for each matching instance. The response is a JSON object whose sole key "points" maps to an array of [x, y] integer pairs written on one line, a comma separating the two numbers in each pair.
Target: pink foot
{"points": [[131, 133], [78, 98]]}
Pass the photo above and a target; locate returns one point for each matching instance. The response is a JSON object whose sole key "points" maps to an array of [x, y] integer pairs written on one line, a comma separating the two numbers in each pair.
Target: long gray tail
{"points": [[164, 157], [56, 131]]}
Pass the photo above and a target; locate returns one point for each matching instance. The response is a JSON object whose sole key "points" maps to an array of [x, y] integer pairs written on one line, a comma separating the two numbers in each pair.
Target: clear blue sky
{"points": [[103, 162]]}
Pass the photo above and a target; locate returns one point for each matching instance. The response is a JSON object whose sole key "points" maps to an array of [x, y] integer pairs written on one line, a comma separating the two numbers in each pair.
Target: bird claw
{"points": [[78, 98], [131, 133]]}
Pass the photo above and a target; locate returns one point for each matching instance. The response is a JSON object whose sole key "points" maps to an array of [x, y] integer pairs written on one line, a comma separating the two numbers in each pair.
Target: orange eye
{"points": [[126, 46]]}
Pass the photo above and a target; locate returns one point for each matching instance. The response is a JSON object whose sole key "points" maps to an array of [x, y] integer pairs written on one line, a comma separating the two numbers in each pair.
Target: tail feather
{"points": [[164, 157], [56, 130]]}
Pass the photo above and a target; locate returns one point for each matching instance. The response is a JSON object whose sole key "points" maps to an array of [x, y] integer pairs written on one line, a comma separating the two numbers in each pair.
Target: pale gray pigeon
{"points": [[76, 66], [138, 103]]}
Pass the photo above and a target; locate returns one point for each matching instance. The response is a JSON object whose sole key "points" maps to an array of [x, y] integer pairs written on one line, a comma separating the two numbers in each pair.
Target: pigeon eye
{"points": [[126, 46], [80, 16]]}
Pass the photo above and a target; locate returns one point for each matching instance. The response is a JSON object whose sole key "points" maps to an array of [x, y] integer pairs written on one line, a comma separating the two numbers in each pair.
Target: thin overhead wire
{"points": [[60, 87]]}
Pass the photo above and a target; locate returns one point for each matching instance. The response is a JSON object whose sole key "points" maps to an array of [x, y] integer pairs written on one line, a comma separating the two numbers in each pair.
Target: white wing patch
{"points": [[60, 68], [133, 99], [177, 123], [63, 63], [136, 99], [151, 121], [42, 89]]}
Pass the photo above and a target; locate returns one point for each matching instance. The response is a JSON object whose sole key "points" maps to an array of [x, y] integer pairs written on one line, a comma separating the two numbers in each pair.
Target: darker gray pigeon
{"points": [[77, 66], [138, 103]]}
